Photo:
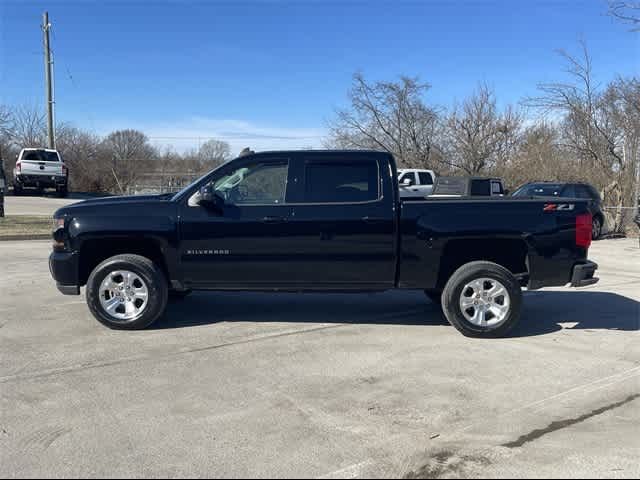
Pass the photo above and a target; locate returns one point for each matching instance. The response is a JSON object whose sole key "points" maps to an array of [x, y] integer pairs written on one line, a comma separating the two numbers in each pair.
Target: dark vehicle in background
{"points": [[321, 221], [468, 187], [583, 191], [40, 168]]}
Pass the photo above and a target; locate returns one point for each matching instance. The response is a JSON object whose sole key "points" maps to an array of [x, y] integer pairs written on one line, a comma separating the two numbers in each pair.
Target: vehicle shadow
{"points": [[544, 312]]}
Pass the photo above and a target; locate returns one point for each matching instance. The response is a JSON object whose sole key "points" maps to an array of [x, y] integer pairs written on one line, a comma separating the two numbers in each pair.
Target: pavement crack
{"points": [[559, 425], [142, 358]]}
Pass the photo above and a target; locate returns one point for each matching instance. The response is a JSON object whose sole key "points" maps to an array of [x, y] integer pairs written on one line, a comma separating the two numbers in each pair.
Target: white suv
{"points": [[416, 182], [40, 168]]}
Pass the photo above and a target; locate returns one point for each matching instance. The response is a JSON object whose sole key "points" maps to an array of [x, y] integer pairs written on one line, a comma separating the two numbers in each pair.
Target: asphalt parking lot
{"points": [[320, 385]]}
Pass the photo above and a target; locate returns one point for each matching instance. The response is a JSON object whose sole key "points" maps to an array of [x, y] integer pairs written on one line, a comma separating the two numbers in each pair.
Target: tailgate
{"points": [[36, 167]]}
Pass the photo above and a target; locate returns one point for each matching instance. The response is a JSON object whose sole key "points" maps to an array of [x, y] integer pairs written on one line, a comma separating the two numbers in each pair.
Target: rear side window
{"points": [[341, 182], [425, 178], [481, 187]]}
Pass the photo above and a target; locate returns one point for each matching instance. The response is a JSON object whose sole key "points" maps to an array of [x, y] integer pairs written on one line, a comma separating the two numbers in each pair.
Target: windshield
{"points": [[184, 190], [539, 190]]}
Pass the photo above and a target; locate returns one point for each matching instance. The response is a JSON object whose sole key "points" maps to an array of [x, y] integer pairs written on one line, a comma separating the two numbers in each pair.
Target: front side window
{"points": [[410, 176], [259, 183], [341, 182]]}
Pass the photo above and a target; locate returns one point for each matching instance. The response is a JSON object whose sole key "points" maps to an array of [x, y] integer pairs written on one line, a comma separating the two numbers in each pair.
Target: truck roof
{"points": [[41, 149], [320, 151]]}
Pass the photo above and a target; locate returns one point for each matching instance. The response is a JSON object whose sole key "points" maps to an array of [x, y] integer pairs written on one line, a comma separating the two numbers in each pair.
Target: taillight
{"points": [[584, 223], [18, 167], [65, 170]]}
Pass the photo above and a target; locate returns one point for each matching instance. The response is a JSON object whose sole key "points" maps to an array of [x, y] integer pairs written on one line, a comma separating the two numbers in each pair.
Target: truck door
{"points": [[344, 222], [245, 243]]}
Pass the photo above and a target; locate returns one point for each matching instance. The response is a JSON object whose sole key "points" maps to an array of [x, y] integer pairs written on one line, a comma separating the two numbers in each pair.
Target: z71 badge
{"points": [[554, 207]]}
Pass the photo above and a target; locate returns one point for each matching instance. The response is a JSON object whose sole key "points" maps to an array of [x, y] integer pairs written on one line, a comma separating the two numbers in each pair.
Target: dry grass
{"points": [[25, 226]]}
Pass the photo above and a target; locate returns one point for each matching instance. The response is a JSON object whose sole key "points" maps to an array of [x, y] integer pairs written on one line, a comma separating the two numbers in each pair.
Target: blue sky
{"points": [[270, 74]]}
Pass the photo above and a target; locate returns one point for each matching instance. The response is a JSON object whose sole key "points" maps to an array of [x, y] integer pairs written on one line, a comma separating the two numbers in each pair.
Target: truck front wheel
{"points": [[127, 292], [482, 299]]}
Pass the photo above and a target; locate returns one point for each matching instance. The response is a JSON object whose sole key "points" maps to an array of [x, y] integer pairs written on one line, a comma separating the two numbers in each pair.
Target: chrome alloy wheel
{"points": [[485, 303], [123, 295]]}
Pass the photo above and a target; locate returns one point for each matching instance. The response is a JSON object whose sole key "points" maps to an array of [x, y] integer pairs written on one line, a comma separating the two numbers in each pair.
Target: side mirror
{"points": [[210, 199], [507, 192]]}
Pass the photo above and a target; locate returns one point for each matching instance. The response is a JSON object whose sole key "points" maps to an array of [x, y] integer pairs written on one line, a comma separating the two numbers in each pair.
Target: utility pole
{"points": [[48, 77]]}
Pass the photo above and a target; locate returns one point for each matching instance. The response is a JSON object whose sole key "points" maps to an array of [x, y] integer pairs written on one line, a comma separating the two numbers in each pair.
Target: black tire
{"points": [[596, 228], [434, 295], [147, 271], [179, 294], [62, 192], [17, 190], [1, 211], [453, 291]]}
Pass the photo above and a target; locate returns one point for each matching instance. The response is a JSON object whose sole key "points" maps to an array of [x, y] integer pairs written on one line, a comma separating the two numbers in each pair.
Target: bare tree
{"points": [[6, 131], [626, 12], [479, 137], [129, 154], [586, 127], [389, 116], [80, 151], [595, 124], [213, 153], [29, 128]]}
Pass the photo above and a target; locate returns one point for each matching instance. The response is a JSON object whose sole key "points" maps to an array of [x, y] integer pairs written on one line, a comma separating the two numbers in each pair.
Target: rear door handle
{"points": [[368, 219], [270, 219]]}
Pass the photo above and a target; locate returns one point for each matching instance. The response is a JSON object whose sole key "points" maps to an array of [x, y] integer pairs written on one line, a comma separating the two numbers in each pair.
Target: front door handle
{"points": [[271, 219], [371, 219]]}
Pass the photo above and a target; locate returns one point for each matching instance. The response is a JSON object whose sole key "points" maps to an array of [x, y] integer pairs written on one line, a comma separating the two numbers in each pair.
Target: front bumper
{"points": [[583, 274], [64, 270]]}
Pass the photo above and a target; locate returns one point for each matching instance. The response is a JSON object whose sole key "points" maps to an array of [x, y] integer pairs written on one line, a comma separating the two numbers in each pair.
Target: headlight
{"points": [[58, 223], [58, 234]]}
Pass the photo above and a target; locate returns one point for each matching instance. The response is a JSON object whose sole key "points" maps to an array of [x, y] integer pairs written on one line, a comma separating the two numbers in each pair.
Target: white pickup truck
{"points": [[415, 182], [40, 168]]}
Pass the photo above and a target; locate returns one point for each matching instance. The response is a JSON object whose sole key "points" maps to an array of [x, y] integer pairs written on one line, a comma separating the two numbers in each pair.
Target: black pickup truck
{"points": [[318, 221]]}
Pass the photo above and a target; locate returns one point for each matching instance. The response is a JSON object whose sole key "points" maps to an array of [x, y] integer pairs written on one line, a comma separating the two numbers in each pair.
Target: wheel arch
{"points": [[95, 250], [510, 253]]}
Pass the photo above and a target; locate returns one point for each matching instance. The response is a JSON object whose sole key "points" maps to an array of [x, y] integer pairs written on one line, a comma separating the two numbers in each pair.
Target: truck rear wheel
{"points": [[62, 192], [127, 292], [482, 299]]}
